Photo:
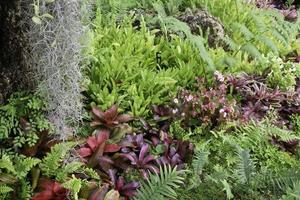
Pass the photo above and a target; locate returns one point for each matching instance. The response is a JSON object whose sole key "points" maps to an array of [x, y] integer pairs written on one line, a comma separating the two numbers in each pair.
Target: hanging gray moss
{"points": [[56, 60]]}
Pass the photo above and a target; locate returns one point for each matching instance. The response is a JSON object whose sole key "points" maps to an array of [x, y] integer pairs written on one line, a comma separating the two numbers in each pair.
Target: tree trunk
{"points": [[13, 70]]}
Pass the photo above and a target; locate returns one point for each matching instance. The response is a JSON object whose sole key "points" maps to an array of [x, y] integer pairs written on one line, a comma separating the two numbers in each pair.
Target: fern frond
{"points": [[197, 41], [67, 169], [6, 163], [161, 186], [176, 25], [251, 50], [258, 22], [278, 36], [268, 42], [5, 189], [294, 192], [284, 180], [230, 43], [199, 160], [243, 30], [159, 8], [51, 163], [74, 185], [23, 166], [92, 173], [281, 134], [25, 190], [245, 166]]}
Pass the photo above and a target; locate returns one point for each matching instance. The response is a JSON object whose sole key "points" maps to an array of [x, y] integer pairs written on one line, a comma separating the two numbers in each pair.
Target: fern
{"points": [[161, 186], [281, 134], [74, 185], [284, 180], [278, 36], [200, 159], [251, 50], [52, 162], [91, 173], [258, 22], [268, 42], [67, 169], [230, 43], [23, 166], [294, 192], [245, 166], [173, 24], [5, 189], [243, 30], [25, 190], [6, 163]]}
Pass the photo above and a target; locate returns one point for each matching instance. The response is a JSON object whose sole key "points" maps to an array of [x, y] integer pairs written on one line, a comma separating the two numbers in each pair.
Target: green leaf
{"points": [[161, 186], [6, 163], [251, 50], [5, 189], [227, 189], [47, 15], [36, 20], [199, 160]]}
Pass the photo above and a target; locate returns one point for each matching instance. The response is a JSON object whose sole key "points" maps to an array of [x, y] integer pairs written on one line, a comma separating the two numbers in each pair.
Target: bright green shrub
{"points": [[126, 71]]}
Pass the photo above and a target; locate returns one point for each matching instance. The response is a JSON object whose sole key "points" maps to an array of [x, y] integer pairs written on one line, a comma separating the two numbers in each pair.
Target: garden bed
{"points": [[196, 99]]}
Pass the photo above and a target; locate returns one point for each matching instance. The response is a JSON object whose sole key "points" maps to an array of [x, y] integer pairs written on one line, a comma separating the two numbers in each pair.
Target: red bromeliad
{"points": [[110, 118], [51, 190], [96, 146]]}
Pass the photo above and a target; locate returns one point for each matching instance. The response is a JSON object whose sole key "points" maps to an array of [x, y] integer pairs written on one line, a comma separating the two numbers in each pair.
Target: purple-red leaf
{"points": [[111, 148], [97, 112], [147, 159], [84, 152], [130, 156], [124, 118], [144, 150], [111, 114]]}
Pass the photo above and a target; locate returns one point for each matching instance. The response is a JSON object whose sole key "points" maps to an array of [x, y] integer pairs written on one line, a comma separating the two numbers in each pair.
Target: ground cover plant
{"points": [[182, 100]]}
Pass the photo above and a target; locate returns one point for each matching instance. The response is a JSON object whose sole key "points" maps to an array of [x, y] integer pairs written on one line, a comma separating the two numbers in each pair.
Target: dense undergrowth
{"points": [[168, 115]]}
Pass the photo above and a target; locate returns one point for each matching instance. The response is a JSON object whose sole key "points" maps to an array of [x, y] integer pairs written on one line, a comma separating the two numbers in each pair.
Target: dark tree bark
{"points": [[13, 69]]}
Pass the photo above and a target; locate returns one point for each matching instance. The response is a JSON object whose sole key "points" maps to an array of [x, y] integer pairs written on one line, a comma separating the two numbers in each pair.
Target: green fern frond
{"points": [[258, 22], [245, 166], [6, 163], [161, 186], [74, 185], [230, 43], [67, 169], [159, 8], [294, 192], [199, 160], [176, 25], [284, 135], [268, 42], [243, 30], [23, 166], [251, 50], [25, 190], [278, 36], [92, 173], [5, 189], [52, 162], [197, 41], [284, 180]]}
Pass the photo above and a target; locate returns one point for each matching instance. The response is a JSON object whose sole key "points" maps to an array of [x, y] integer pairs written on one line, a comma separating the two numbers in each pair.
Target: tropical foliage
{"points": [[169, 112]]}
